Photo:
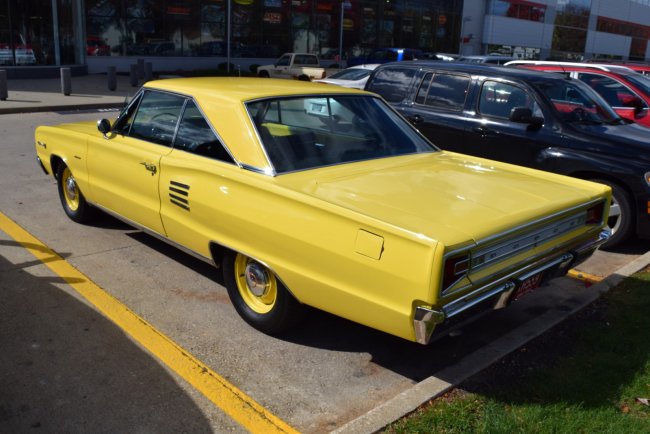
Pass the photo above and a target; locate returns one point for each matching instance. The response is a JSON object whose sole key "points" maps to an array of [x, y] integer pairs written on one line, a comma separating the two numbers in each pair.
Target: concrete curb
{"points": [[409, 400], [59, 108]]}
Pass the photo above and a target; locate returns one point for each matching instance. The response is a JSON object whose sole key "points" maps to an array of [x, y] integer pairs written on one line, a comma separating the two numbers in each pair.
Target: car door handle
{"points": [[415, 119], [482, 131], [150, 167]]}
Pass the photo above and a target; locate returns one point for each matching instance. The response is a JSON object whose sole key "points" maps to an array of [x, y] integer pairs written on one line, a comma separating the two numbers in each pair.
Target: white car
{"points": [[354, 77]]}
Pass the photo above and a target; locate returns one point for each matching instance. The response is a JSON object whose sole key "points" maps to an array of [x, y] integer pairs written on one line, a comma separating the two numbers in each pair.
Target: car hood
{"points": [[623, 140], [443, 196]]}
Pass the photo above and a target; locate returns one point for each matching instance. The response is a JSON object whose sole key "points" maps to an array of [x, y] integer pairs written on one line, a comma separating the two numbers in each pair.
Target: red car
{"points": [[96, 46], [625, 90]]}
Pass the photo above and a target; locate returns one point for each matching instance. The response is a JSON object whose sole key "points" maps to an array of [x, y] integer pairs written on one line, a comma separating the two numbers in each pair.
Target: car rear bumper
{"points": [[499, 294]]}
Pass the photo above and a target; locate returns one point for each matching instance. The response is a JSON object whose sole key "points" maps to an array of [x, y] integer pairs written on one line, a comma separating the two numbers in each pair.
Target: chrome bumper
{"points": [[425, 320]]}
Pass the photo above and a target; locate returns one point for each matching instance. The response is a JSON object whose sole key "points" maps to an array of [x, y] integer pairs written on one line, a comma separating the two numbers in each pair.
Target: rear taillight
{"points": [[456, 267], [595, 214]]}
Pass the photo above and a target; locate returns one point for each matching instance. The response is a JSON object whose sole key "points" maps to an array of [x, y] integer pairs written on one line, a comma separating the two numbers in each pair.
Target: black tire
{"points": [[274, 310], [73, 201], [263, 74], [304, 78], [622, 219]]}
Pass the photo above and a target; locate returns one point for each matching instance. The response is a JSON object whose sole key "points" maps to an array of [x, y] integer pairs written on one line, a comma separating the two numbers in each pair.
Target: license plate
{"points": [[528, 285]]}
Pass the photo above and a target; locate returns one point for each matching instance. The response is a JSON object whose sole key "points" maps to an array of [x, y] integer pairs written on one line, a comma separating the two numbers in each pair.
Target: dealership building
{"points": [[557, 29], [38, 36]]}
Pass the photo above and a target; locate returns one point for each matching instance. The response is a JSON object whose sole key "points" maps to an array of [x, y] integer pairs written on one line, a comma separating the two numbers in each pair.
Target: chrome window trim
{"points": [[385, 105], [214, 131]]}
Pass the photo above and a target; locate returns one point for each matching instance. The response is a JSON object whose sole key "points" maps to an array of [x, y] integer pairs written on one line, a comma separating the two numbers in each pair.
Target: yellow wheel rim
{"points": [[257, 285], [70, 190]]}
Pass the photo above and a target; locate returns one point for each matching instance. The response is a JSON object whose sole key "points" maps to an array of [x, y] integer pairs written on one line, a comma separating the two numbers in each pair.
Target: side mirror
{"points": [[636, 103], [524, 115], [104, 126]]}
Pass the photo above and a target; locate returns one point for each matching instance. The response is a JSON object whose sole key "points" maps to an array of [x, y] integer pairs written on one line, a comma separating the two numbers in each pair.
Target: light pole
{"points": [[462, 34], [344, 4]]}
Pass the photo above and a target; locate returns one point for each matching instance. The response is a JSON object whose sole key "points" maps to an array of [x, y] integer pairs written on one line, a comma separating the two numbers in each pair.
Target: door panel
{"points": [[124, 176], [491, 134], [124, 166]]}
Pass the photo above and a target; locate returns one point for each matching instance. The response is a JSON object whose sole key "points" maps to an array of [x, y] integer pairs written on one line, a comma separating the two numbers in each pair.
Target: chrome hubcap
{"points": [[71, 187], [614, 216], [257, 278]]}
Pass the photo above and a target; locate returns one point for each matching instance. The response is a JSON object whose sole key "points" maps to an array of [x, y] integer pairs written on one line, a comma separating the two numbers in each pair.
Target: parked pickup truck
{"points": [[297, 66]]}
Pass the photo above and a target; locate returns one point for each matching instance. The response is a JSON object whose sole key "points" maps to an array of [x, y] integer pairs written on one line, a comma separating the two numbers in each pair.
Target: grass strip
{"points": [[584, 376]]}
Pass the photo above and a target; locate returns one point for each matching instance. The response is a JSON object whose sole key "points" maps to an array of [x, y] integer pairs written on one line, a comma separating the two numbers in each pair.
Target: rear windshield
{"points": [[392, 83], [309, 132]]}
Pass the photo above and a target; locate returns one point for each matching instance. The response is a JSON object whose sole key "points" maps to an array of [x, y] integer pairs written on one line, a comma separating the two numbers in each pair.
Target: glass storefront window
{"points": [[639, 33], [268, 28], [520, 9], [26, 36], [516, 51]]}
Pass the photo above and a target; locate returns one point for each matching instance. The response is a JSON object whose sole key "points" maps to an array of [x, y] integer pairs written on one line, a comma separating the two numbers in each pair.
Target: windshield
{"points": [[640, 81], [351, 74], [309, 132], [577, 103]]}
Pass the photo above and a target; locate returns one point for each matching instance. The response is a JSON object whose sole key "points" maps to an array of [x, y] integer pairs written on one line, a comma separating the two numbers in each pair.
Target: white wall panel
{"points": [[606, 43], [510, 31]]}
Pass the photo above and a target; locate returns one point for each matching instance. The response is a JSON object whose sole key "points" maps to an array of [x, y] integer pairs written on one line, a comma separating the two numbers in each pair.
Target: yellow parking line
{"points": [[235, 403], [580, 275]]}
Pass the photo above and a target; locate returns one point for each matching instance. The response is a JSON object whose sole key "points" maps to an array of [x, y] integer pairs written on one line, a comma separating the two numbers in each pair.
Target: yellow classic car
{"points": [[306, 195]]}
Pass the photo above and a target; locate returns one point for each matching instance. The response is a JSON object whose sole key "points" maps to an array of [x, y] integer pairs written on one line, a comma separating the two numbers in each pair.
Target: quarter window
{"points": [[392, 83], [156, 117], [195, 136], [447, 91]]}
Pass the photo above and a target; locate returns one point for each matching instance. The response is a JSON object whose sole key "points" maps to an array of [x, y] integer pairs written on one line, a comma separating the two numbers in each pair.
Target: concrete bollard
{"points": [[112, 78], [3, 85], [66, 82], [140, 68], [148, 71], [133, 73]]}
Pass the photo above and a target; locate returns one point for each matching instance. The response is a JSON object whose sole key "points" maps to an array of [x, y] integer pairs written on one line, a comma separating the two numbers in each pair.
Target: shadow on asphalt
{"points": [[66, 368]]}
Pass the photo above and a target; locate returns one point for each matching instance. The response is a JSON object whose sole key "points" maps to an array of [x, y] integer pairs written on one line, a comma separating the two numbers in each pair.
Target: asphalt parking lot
{"points": [[66, 367]]}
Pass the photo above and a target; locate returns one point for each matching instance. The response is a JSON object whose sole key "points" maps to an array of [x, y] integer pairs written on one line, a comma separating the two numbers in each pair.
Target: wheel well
{"points": [[304, 78], [55, 161], [218, 252]]}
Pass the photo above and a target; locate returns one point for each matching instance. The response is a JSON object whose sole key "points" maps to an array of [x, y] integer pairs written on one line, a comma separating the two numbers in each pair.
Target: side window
{"points": [[392, 83], [448, 91], [498, 100], [195, 136], [156, 117], [614, 93], [284, 61]]}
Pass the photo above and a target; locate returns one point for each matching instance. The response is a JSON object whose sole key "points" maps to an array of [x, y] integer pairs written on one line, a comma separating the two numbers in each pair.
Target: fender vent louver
{"points": [[179, 194]]}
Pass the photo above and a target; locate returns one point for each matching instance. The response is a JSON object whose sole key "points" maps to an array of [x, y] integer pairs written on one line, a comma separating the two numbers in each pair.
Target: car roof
{"points": [[619, 69], [477, 69], [487, 56], [240, 89], [222, 98]]}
